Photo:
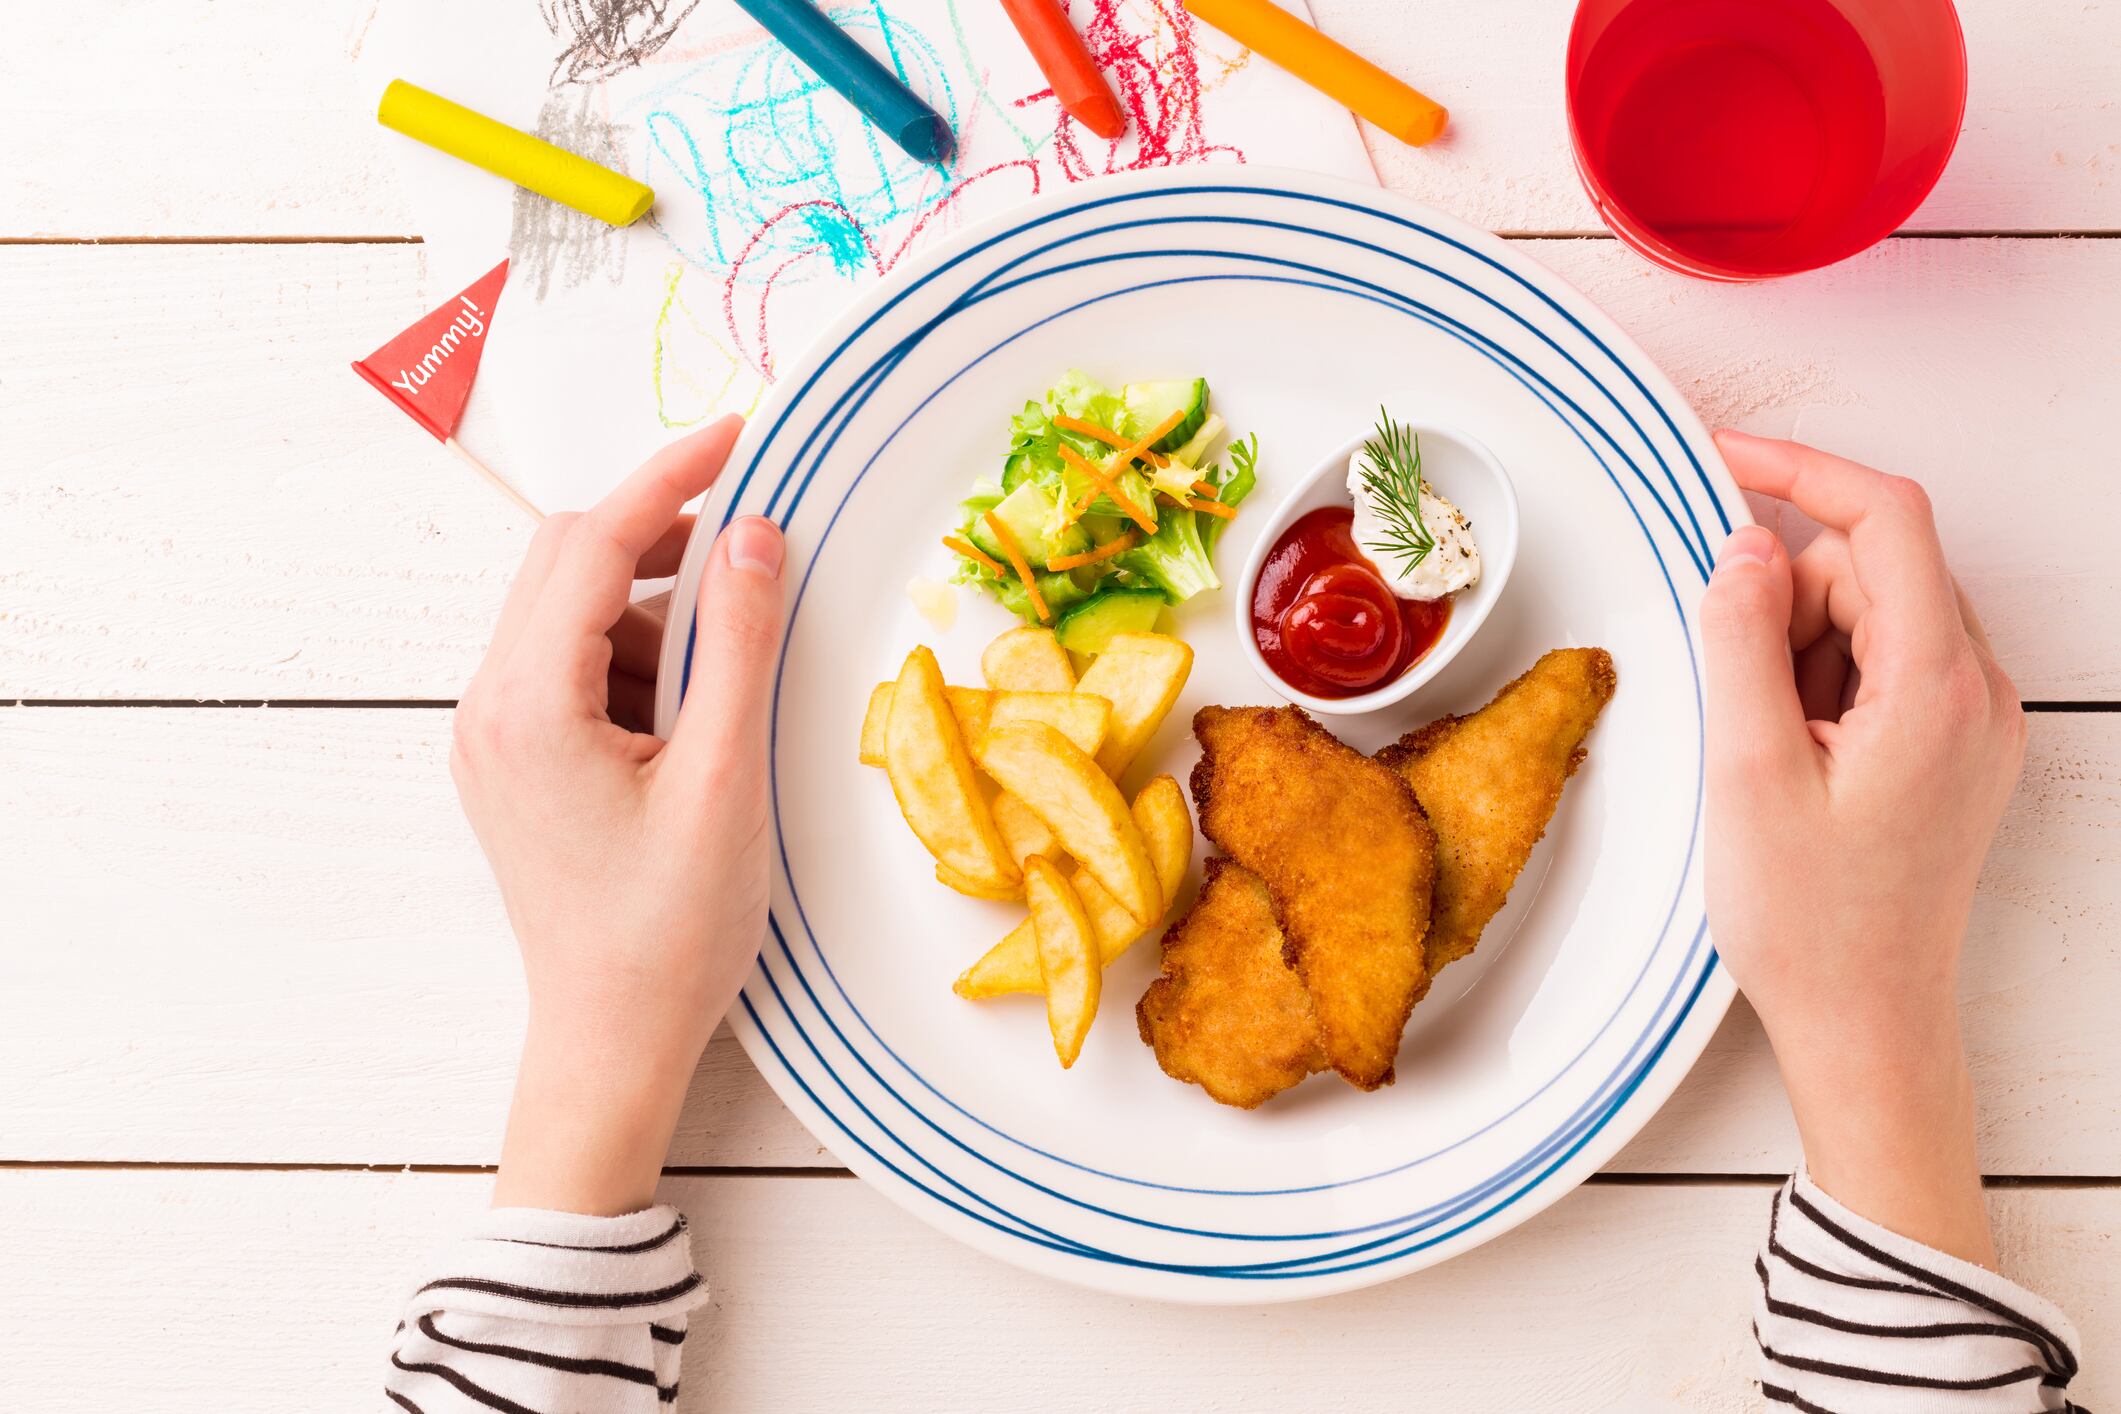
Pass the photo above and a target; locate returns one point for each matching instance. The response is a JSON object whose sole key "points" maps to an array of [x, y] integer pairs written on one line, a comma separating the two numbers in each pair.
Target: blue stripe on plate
{"points": [[1419, 311], [865, 385], [826, 451]]}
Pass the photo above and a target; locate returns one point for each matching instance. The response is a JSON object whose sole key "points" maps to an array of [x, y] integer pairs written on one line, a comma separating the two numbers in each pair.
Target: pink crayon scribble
{"points": [[1155, 74], [836, 235]]}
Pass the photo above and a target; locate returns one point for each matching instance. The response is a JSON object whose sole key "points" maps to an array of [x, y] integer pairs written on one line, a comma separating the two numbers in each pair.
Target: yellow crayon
{"points": [[529, 162]]}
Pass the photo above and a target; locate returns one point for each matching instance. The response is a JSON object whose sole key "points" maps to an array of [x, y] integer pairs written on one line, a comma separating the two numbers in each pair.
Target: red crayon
{"points": [[1077, 84]]}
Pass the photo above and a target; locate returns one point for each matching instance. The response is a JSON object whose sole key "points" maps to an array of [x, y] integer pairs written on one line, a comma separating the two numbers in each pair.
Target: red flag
{"points": [[427, 370]]}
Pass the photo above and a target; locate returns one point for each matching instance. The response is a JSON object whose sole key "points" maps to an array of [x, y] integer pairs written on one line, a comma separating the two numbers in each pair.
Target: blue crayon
{"points": [[876, 93]]}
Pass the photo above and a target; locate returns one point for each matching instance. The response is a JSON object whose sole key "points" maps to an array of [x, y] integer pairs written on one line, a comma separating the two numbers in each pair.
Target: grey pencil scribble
{"points": [[601, 38], [547, 240]]}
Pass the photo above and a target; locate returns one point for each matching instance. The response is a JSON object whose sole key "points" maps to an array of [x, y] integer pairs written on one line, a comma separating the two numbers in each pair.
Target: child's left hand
{"points": [[634, 870]]}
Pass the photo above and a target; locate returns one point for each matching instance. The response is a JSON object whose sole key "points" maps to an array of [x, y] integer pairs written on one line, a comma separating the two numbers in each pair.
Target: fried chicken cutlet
{"points": [[1489, 784], [1228, 1014], [1347, 858]]}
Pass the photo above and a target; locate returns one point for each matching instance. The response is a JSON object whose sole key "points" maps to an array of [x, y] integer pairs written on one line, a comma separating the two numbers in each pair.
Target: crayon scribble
{"points": [[838, 239], [1005, 113], [1155, 73], [774, 189], [547, 239], [788, 186], [606, 37], [696, 376], [749, 131]]}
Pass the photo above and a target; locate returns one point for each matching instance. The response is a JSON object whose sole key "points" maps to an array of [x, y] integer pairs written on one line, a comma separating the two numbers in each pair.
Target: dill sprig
{"points": [[1392, 481]]}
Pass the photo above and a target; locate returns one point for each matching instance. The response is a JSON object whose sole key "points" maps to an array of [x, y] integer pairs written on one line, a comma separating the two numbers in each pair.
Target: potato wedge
{"points": [[1067, 957], [1080, 718], [1141, 675], [975, 888], [1087, 814], [1027, 660], [1011, 965], [874, 717], [1024, 833], [932, 776]]}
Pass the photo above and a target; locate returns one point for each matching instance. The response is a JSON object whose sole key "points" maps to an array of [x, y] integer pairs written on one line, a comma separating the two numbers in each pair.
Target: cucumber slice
{"points": [[1088, 627], [1056, 591], [1061, 592], [1150, 403], [1028, 512], [1197, 446]]}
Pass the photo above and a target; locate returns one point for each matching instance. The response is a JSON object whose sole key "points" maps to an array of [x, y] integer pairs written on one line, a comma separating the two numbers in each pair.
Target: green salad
{"points": [[1108, 508]]}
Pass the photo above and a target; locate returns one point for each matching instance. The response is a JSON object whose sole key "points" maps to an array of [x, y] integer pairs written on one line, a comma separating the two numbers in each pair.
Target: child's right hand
{"points": [[1852, 792]]}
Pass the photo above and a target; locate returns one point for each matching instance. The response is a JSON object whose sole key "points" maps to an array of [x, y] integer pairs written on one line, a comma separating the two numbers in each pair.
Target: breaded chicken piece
{"points": [[1347, 858], [1227, 1014], [1489, 784]]}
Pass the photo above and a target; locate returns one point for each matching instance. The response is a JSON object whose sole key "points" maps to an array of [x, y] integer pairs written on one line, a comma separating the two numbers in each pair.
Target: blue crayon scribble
{"points": [[752, 132]]}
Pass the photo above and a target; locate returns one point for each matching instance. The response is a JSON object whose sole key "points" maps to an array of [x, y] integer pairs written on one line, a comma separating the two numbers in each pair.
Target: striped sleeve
{"points": [[1855, 1319], [549, 1313]]}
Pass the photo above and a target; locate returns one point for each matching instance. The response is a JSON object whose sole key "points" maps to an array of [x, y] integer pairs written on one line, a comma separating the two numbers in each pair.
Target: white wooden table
{"points": [[258, 1003]]}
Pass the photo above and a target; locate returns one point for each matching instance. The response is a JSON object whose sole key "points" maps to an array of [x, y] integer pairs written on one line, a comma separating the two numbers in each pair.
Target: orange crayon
{"points": [[1328, 66]]}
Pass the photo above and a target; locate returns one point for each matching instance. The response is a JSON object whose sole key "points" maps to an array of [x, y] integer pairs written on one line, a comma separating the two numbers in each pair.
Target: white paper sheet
{"points": [[776, 204]]}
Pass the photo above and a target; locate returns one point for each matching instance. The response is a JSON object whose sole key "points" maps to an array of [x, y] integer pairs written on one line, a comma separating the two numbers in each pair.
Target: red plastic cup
{"points": [[1746, 139]]}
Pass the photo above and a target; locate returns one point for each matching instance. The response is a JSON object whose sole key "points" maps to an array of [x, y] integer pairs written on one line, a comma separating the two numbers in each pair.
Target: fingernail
{"points": [[754, 543], [1748, 543]]}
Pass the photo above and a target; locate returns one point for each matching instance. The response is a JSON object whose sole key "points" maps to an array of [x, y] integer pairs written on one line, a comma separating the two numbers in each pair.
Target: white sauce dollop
{"points": [[1450, 567]]}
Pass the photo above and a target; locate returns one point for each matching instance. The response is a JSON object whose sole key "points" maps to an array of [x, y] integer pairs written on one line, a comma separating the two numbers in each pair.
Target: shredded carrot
{"points": [[1107, 436], [1103, 552], [1213, 508], [1018, 563], [973, 552], [1206, 488], [1139, 448], [1101, 481]]}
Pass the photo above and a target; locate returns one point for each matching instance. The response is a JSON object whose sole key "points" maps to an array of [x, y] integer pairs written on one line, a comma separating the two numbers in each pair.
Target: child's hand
{"points": [[634, 870], [1851, 796]]}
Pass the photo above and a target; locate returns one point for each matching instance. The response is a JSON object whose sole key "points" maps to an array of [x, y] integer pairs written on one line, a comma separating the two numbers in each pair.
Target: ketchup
{"points": [[1327, 622]]}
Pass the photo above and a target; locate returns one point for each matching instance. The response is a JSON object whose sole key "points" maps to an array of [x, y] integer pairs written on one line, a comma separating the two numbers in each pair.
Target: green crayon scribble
{"points": [[1030, 143]]}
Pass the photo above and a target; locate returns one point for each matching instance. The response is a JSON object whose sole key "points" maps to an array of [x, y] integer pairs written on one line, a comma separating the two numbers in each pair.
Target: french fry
{"points": [[1063, 786], [1027, 660], [1141, 675], [1031, 660], [976, 888], [932, 776], [1080, 718], [874, 716], [1011, 965], [1024, 833], [1067, 957]]}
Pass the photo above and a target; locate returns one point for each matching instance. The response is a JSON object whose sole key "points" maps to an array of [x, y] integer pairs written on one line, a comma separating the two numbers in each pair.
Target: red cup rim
{"points": [[1639, 239]]}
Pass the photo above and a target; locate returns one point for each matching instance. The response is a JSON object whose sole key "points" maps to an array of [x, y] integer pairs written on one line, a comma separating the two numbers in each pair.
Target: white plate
{"points": [[1303, 302]]}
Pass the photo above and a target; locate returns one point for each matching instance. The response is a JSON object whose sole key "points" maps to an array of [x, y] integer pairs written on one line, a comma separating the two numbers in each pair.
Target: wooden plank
{"points": [[285, 942], [212, 1291], [208, 118], [267, 936], [202, 501], [239, 118]]}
